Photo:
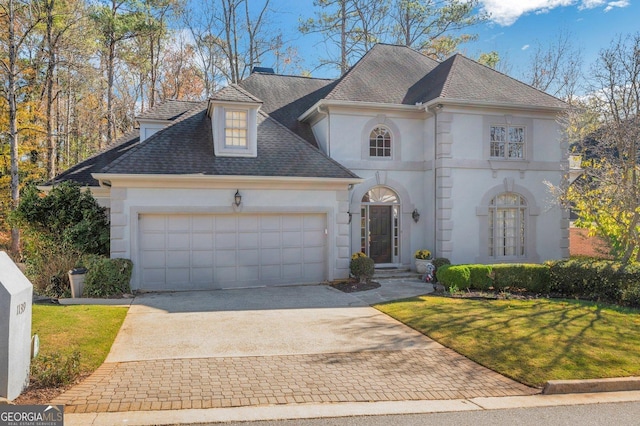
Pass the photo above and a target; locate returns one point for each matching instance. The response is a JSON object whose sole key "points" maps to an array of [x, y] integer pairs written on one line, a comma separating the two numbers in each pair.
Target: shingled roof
{"points": [[168, 110], [286, 97], [385, 74], [81, 172], [186, 147], [234, 93], [460, 78]]}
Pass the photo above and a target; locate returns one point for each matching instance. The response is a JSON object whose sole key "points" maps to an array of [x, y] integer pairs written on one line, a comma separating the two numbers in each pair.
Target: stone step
{"points": [[386, 273]]}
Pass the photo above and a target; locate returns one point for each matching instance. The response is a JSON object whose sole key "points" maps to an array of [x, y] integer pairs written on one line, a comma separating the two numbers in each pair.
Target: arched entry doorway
{"points": [[380, 225]]}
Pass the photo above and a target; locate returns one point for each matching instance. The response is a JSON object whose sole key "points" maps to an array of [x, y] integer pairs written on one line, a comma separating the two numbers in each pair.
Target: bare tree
{"points": [[555, 68]]}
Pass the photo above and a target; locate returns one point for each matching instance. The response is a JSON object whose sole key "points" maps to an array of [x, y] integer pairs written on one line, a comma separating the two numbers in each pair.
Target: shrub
{"points": [[602, 280], [55, 370], [362, 267], [480, 276], [439, 262], [455, 276], [107, 277], [530, 277], [630, 296]]}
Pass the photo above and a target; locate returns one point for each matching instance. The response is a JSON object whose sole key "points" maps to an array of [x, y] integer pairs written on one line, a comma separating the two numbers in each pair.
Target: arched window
{"points": [[380, 142], [507, 226]]}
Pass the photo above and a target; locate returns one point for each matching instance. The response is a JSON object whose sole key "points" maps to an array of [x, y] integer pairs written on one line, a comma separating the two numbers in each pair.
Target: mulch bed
{"points": [[352, 286]]}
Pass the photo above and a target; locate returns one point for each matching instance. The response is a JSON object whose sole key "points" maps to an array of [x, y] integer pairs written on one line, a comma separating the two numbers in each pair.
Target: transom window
{"points": [[507, 225], [235, 128], [380, 142], [380, 225], [507, 142]]}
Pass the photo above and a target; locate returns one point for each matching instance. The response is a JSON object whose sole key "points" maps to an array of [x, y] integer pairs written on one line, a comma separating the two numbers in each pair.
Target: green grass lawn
{"points": [[88, 329], [531, 341]]}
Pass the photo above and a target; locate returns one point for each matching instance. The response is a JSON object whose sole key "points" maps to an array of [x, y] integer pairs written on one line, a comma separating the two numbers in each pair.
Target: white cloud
{"points": [[507, 12], [525, 47]]}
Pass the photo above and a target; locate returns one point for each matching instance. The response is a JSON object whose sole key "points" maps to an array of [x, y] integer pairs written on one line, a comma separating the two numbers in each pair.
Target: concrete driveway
{"points": [[278, 345], [257, 322]]}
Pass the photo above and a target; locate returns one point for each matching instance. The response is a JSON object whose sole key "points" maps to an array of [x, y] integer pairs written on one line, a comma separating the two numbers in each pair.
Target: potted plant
{"points": [[423, 258]]}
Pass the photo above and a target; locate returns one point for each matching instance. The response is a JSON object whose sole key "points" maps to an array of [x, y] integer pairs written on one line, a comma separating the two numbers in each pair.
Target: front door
{"points": [[380, 233]]}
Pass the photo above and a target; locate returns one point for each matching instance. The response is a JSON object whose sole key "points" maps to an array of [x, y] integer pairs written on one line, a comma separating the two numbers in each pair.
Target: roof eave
{"points": [[108, 178], [372, 105], [467, 103]]}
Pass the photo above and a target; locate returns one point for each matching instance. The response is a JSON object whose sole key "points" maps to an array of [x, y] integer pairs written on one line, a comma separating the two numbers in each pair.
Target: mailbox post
{"points": [[16, 295]]}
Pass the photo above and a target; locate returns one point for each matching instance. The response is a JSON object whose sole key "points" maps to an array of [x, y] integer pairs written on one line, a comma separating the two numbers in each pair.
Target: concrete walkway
{"points": [[276, 346]]}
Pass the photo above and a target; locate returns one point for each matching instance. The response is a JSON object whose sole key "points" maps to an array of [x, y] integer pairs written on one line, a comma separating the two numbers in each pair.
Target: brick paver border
{"points": [[170, 384]]}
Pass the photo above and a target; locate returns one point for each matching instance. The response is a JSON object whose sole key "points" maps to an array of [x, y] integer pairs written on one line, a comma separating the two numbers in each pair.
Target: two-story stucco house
{"points": [[280, 179]]}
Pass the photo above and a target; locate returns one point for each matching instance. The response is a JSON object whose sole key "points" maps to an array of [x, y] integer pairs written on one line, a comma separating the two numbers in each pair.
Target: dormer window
{"points": [[235, 128], [234, 121]]}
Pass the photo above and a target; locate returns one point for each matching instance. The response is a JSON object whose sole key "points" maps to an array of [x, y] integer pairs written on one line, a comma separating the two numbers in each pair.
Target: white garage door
{"points": [[203, 251]]}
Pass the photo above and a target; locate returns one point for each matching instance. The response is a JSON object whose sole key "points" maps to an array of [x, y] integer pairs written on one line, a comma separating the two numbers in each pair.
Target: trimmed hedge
{"points": [[107, 277], [594, 279], [455, 276], [527, 276]]}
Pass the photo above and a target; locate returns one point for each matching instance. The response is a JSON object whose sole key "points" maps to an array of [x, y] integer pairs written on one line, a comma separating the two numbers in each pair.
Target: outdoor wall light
{"points": [[415, 215], [237, 199]]}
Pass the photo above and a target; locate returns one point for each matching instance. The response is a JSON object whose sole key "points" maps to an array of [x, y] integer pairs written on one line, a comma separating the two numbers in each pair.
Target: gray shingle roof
{"points": [[287, 97], [168, 110], [81, 172], [386, 74], [186, 147], [234, 93], [460, 78]]}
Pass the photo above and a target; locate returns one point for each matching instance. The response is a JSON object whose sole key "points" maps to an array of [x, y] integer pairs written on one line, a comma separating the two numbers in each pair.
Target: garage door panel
{"points": [[247, 240], [291, 255], [226, 241], [202, 241], [203, 251], [248, 223], [314, 222], [312, 254], [152, 241], [291, 239], [179, 259], [226, 224], [202, 223], [292, 222], [270, 240], [248, 257], [314, 238], [181, 223], [178, 241]]}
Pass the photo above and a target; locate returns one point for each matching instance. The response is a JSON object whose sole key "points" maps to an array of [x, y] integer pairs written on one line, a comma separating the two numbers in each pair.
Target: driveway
{"points": [[277, 345]]}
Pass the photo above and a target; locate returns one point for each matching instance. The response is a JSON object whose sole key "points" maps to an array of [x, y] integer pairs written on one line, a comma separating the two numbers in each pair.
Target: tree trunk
{"points": [[344, 67], [13, 121], [51, 140]]}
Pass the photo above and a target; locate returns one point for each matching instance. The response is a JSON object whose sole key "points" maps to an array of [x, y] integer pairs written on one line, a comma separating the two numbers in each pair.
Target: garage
{"points": [[212, 251]]}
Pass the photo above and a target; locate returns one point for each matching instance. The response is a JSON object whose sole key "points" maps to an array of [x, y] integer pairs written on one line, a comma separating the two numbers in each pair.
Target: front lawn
{"points": [[89, 329], [531, 341]]}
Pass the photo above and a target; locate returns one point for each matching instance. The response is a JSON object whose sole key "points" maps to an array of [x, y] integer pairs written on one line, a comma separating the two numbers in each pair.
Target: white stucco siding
{"points": [[547, 140], [135, 202], [470, 193], [320, 132]]}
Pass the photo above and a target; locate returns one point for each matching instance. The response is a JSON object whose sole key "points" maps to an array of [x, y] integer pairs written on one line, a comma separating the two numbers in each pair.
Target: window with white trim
{"points": [[507, 142], [235, 128], [507, 225], [380, 142]]}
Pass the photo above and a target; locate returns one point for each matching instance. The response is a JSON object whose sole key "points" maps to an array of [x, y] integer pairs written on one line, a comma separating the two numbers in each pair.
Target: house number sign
{"points": [[21, 308]]}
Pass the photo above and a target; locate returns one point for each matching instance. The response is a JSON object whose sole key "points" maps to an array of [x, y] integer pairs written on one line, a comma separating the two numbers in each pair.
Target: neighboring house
{"points": [[280, 179]]}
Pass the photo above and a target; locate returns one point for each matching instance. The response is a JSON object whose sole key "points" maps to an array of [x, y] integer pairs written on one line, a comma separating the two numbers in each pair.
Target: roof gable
{"points": [[235, 93]]}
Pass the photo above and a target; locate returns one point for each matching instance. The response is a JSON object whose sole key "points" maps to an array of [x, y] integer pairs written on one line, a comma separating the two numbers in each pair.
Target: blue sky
{"points": [[513, 31]]}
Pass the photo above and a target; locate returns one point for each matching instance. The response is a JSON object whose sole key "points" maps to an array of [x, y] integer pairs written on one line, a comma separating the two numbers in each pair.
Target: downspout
{"points": [[435, 109]]}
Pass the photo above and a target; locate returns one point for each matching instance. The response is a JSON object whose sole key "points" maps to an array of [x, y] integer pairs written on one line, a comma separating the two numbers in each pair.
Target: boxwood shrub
{"points": [[480, 276], [107, 277], [532, 277], [455, 276], [362, 267]]}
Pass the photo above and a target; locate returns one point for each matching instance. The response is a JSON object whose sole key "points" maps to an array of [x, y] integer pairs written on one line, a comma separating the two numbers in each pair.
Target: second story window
{"points": [[235, 128], [507, 142], [380, 142]]}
